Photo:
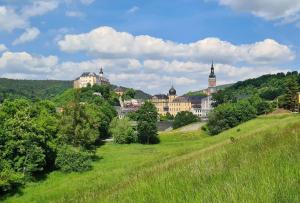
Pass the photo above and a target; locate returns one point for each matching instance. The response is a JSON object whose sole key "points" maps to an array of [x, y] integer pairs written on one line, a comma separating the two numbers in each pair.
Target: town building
{"points": [[120, 91], [198, 105], [90, 78], [171, 103], [128, 106]]}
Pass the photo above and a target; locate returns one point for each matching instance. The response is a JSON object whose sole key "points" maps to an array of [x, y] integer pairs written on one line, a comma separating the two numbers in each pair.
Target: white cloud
{"points": [[29, 35], [76, 14], [25, 63], [84, 2], [110, 43], [266, 51], [175, 66], [9, 20], [38, 8], [244, 72], [87, 2], [134, 9], [267, 9], [154, 64], [149, 82], [2, 48]]}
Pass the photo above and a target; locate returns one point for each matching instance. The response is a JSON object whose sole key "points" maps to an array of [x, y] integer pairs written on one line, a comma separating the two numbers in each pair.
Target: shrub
{"points": [[166, 117], [72, 159], [204, 127], [8, 177], [184, 118], [122, 131]]}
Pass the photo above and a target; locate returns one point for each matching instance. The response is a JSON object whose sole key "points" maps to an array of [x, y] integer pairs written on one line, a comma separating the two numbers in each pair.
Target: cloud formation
{"points": [[15, 21], [74, 14], [11, 19], [29, 35], [133, 9], [38, 8], [109, 43], [25, 63], [286, 10], [2, 48]]}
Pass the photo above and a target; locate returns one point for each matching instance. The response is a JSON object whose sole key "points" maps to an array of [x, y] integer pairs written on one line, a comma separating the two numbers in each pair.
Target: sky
{"points": [[149, 45]]}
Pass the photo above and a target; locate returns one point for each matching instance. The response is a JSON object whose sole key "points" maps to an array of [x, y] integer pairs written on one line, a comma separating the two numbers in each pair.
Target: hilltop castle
{"points": [[90, 78], [198, 105]]}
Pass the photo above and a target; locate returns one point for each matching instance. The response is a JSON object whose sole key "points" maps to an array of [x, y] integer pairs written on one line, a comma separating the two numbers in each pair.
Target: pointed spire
{"points": [[212, 70], [101, 71]]}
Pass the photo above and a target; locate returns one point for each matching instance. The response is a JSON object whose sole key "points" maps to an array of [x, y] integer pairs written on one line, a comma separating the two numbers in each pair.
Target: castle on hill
{"points": [[91, 79], [165, 103], [198, 105]]}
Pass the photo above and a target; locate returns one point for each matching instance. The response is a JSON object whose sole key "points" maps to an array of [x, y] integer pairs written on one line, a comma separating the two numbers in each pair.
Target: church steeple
{"points": [[212, 70]]}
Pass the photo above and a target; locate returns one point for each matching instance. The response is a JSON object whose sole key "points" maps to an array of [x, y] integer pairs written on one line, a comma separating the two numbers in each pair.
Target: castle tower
{"points": [[212, 80], [101, 72]]}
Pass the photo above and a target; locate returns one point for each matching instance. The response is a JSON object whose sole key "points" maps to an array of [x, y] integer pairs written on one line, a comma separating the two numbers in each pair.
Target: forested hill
{"points": [[268, 87], [32, 89], [41, 89]]}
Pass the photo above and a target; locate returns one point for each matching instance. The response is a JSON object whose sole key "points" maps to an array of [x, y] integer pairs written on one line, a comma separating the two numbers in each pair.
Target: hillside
{"points": [[257, 161], [32, 89], [42, 89], [269, 87]]}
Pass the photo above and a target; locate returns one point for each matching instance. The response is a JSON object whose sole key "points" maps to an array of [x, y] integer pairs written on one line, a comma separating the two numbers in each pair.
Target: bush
{"points": [[122, 131], [184, 118], [229, 115], [8, 177], [204, 127], [73, 159], [167, 117]]}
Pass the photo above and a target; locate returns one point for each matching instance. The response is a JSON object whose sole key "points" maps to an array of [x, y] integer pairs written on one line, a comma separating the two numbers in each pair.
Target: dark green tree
{"points": [[147, 129], [77, 127], [290, 96]]}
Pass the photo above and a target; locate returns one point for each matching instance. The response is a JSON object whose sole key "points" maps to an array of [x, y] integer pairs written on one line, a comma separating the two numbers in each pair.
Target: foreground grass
{"points": [[255, 162]]}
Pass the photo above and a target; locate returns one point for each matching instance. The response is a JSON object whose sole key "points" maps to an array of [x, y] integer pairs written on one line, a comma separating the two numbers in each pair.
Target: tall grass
{"points": [[254, 162]]}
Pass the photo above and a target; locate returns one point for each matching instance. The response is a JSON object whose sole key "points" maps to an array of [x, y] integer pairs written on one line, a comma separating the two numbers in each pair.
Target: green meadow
{"points": [[258, 161]]}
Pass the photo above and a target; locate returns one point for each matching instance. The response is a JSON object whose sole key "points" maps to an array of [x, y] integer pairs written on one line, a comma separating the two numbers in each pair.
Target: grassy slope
{"points": [[260, 166]]}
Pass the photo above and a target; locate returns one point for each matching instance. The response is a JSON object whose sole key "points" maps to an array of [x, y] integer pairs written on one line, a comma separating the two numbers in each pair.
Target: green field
{"points": [[258, 161]]}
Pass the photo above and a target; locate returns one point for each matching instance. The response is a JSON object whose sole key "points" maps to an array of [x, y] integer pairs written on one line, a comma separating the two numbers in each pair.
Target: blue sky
{"points": [[149, 44]]}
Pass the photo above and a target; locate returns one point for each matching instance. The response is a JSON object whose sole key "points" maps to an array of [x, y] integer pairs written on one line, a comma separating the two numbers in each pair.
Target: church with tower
{"points": [[198, 105], [212, 81]]}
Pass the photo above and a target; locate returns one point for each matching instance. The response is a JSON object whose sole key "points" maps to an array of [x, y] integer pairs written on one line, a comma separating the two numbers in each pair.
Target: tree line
{"points": [[246, 100]]}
